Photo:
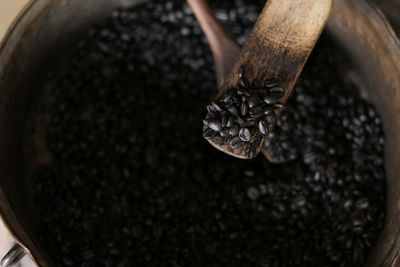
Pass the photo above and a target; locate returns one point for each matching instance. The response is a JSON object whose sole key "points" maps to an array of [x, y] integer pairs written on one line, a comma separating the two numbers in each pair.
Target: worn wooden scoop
{"points": [[264, 73]]}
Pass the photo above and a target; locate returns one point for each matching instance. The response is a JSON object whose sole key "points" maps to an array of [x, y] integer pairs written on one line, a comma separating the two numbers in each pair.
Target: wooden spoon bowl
{"points": [[277, 48]]}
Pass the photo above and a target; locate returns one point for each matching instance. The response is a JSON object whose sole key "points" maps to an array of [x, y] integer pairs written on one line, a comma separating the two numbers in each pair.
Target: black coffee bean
{"points": [[244, 82], [262, 92], [362, 203], [278, 91], [244, 93], [278, 106], [227, 98], [233, 110], [209, 133], [250, 122], [348, 243], [300, 201], [224, 119], [240, 121], [67, 261], [87, 254], [244, 109], [256, 110], [257, 115], [263, 129], [348, 203], [268, 109], [214, 125], [211, 110], [234, 130], [271, 99], [271, 83], [224, 132], [253, 193], [236, 143], [241, 71], [358, 221], [253, 100], [230, 122], [216, 107], [244, 134], [236, 99], [270, 118]]}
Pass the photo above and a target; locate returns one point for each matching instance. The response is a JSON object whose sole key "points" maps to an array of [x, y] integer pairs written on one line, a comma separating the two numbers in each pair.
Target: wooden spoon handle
{"points": [[224, 47], [281, 41], [278, 47]]}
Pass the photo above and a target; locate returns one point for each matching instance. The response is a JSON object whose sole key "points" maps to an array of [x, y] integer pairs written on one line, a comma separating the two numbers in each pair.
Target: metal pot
{"points": [[46, 30]]}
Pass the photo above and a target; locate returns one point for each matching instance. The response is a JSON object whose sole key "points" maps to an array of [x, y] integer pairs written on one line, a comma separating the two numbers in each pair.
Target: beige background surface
{"points": [[8, 10]]}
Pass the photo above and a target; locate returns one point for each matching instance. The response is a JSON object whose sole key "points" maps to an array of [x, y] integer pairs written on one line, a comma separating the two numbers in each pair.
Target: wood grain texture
{"points": [[278, 47]]}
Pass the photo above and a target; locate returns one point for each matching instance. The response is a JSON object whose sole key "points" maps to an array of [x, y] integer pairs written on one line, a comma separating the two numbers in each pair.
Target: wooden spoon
{"points": [[223, 46], [277, 48]]}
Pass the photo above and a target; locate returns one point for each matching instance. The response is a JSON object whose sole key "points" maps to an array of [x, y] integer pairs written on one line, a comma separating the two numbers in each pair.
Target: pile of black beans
{"points": [[133, 183], [243, 116]]}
